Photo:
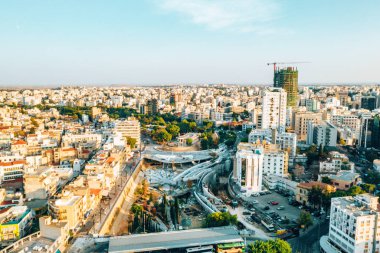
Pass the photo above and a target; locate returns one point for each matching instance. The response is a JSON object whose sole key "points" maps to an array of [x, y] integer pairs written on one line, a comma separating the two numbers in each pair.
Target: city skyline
{"points": [[153, 42]]}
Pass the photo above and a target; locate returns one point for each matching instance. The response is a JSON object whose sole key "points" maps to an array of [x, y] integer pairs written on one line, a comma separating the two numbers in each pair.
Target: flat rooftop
{"points": [[173, 240]]}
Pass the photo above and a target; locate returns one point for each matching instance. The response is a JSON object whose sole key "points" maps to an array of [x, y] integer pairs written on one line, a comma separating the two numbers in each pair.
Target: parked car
{"points": [[280, 208], [274, 203], [246, 213], [266, 208]]}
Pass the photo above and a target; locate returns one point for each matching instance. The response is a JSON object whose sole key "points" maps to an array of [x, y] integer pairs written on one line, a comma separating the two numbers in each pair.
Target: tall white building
{"points": [[248, 168], [274, 108], [354, 225], [129, 128]]}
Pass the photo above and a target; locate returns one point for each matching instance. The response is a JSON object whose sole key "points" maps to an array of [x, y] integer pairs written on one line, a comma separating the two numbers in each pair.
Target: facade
{"points": [[324, 134], [129, 128], [376, 165], [369, 103], [11, 170], [275, 163], [301, 120], [303, 190], [287, 78], [354, 225], [67, 208], [74, 140], [15, 223], [274, 109], [248, 169]]}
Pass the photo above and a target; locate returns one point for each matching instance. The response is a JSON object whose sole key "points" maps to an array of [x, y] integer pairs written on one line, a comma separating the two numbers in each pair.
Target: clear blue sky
{"points": [[54, 42]]}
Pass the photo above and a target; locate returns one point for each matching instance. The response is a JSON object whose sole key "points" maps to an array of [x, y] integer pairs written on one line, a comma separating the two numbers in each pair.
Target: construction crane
{"points": [[280, 63]]}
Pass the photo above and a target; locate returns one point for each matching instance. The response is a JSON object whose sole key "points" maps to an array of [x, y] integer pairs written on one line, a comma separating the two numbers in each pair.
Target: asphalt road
{"points": [[309, 242]]}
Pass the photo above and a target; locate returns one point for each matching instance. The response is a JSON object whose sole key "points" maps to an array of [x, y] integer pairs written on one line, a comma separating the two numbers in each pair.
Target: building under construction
{"points": [[287, 78]]}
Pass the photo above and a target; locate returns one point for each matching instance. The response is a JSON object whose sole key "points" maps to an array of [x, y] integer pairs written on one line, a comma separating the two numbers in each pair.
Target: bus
{"points": [[201, 249]]}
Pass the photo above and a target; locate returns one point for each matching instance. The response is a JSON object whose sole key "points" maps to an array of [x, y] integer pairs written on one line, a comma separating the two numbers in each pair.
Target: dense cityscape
{"points": [[189, 126], [216, 167]]}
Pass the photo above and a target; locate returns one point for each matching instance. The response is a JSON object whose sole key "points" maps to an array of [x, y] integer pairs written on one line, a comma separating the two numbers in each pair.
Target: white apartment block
{"points": [[354, 225], [347, 120], [72, 140], [274, 108], [129, 128], [248, 168], [323, 133], [275, 163], [286, 141]]}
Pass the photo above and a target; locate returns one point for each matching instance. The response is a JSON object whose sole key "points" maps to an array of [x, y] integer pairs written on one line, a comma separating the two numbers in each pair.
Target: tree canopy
{"points": [[271, 246]]}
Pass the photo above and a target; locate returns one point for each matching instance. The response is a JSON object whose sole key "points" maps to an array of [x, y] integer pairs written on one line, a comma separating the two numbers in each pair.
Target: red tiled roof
{"points": [[19, 142], [95, 191]]}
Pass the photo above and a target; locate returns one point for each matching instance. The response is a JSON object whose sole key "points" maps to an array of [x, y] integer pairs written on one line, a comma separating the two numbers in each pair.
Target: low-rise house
{"points": [[303, 190]]}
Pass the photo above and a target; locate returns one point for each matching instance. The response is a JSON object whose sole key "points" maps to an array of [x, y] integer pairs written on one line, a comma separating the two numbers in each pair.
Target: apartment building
{"points": [[129, 128], [323, 133], [11, 170], [354, 223], [303, 190], [274, 108], [15, 223], [74, 140], [301, 120], [67, 207]]}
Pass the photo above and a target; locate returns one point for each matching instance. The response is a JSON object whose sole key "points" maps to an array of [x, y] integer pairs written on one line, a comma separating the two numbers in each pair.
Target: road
{"points": [[309, 241], [259, 234], [99, 214]]}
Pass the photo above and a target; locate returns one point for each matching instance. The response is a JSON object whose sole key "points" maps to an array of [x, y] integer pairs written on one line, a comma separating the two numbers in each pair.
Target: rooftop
{"points": [[173, 240]]}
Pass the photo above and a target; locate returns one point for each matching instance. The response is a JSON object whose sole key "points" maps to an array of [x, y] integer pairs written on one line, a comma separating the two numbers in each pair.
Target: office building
{"points": [[369, 103]]}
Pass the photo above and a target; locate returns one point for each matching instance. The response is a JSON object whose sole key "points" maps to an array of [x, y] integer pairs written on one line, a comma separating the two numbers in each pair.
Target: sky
{"points": [[152, 42]]}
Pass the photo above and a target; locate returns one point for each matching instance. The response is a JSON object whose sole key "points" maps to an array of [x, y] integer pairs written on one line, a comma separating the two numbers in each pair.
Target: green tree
{"points": [[34, 122], [162, 135], [131, 142], [219, 219], [173, 130], [271, 246], [189, 141], [355, 190], [305, 220], [193, 126], [315, 196], [370, 188], [326, 180]]}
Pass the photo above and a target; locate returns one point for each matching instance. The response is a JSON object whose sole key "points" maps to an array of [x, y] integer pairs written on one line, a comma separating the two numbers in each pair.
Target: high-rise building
{"points": [[152, 106], [274, 108], [354, 223], [287, 78], [369, 102], [248, 168]]}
